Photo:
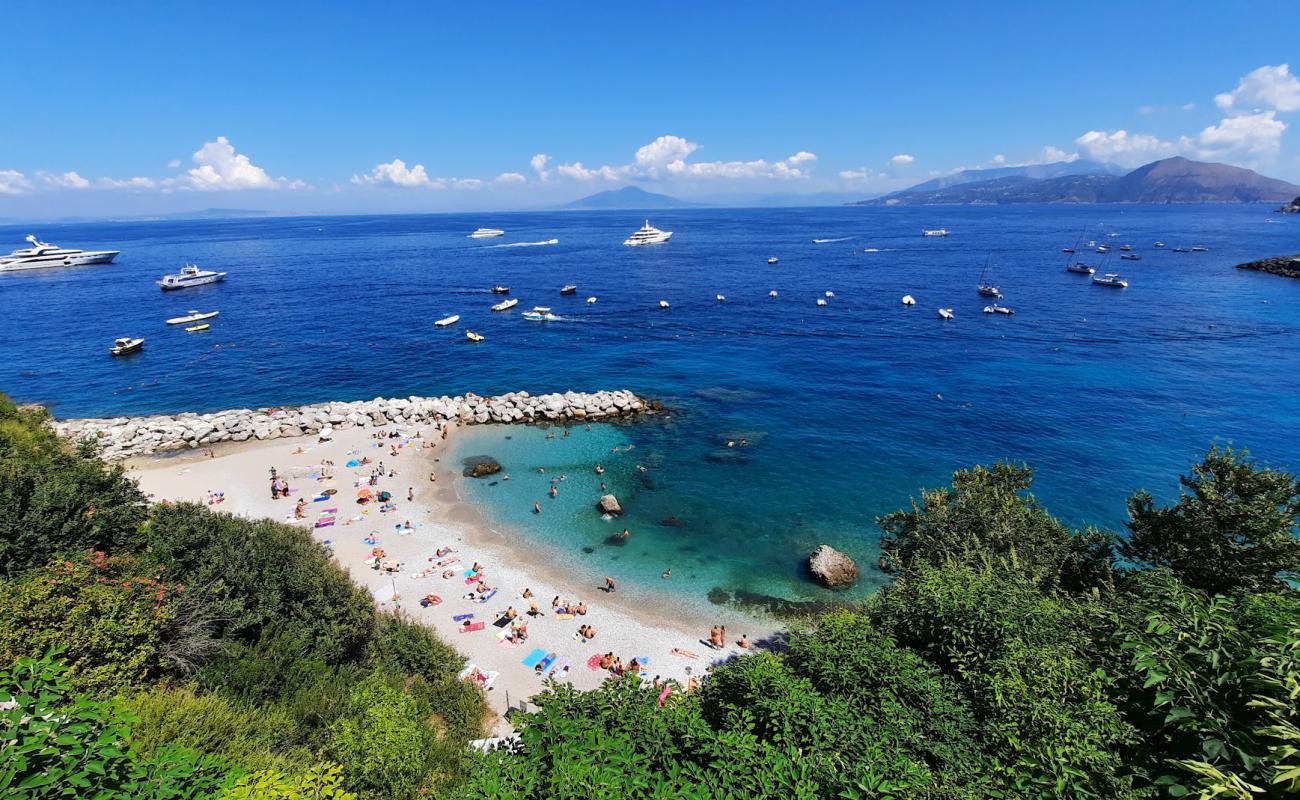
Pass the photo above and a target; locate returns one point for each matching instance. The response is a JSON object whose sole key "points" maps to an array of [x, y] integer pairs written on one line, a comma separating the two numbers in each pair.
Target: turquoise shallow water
{"points": [[1103, 391]]}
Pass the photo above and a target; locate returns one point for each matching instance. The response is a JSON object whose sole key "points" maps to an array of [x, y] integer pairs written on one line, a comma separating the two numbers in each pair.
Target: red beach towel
{"points": [[594, 663], [477, 626]]}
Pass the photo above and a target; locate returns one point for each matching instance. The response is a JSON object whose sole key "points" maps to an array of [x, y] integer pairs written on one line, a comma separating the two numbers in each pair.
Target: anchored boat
{"points": [[193, 316], [505, 305], [125, 345], [445, 321]]}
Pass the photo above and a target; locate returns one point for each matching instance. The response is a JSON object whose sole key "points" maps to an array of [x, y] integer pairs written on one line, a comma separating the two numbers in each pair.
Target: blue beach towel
{"points": [[462, 617], [533, 658]]}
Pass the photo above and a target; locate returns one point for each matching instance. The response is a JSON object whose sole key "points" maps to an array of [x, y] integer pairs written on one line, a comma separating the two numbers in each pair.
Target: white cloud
{"points": [[538, 163], [127, 183], [801, 157], [1054, 155], [396, 173], [1265, 88], [1189, 106], [902, 160], [221, 168], [510, 177], [1125, 149], [998, 160], [174, 163], [665, 151], [1254, 136], [578, 172], [13, 182], [785, 169], [466, 183], [66, 180]]}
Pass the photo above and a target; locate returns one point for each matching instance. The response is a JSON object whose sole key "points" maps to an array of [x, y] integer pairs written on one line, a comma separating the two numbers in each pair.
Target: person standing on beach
{"points": [[609, 584]]}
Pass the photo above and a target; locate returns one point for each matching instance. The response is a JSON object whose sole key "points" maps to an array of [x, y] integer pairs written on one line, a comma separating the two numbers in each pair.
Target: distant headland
{"points": [[632, 197], [1171, 180]]}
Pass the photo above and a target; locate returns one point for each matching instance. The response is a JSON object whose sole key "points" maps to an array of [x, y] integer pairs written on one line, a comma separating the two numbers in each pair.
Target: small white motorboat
{"points": [[591, 301], [946, 313], [773, 260], [1111, 279], [722, 298], [821, 301], [772, 293], [908, 300], [125, 345], [445, 321], [1160, 244], [540, 314], [473, 337], [505, 305], [663, 303], [193, 316], [830, 294], [997, 309], [568, 288], [499, 289], [1200, 248], [487, 233], [935, 232]]}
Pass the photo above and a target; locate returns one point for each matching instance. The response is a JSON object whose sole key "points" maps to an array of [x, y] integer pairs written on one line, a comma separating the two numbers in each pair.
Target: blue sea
{"points": [[836, 414]]}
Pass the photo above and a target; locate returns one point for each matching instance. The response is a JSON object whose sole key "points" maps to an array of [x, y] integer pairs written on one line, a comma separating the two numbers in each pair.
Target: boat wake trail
{"points": [[828, 241], [528, 244]]}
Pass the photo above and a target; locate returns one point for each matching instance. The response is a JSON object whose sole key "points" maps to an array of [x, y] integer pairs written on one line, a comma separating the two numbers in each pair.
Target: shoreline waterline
{"points": [[630, 622]]}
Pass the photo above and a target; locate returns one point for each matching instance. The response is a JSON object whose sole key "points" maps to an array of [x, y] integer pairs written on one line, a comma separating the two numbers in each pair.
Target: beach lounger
{"points": [[462, 617], [487, 596], [534, 657], [320, 498], [477, 626]]}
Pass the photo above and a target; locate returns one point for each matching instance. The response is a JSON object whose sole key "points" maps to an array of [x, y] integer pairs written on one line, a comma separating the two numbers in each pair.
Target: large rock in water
{"points": [[832, 568], [481, 467], [609, 505]]}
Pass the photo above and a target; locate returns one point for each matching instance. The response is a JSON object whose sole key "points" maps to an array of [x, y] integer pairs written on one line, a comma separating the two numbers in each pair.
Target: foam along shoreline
{"points": [[632, 622], [126, 437]]}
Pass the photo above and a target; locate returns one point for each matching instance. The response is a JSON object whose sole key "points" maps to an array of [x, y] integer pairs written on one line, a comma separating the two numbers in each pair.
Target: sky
{"points": [[125, 108]]}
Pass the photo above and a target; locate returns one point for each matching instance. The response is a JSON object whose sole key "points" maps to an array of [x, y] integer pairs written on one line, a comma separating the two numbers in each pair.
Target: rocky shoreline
{"points": [[1286, 266], [125, 437]]}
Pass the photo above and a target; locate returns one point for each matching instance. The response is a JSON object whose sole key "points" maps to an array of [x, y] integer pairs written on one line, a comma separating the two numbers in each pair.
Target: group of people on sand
{"points": [[718, 638], [615, 666], [279, 486]]}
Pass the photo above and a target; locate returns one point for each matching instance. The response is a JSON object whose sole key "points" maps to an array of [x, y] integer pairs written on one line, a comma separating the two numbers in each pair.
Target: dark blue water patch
{"points": [[851, 408]]}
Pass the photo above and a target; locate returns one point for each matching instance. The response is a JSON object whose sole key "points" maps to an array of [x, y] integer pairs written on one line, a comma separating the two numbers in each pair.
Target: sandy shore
{"points": [[629, 623]]}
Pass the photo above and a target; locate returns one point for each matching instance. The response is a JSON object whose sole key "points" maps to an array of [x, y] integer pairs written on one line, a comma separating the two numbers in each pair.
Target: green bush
{"points": [[255, 575], [384, 742], [256, 738], [110, 620], [56, 499], [320, 782]]}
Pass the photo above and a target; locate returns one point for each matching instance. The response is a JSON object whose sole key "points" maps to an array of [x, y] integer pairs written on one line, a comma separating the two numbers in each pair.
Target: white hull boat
{"points": [[190, 276], [487, 233], [648, 234], [946, 313], [445, 321], [193, 316], [505, 305], [42, 255]]}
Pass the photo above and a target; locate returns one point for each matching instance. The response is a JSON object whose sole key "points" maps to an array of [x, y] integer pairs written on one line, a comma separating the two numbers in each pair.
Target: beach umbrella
{"points": [[384, 497], [364, 493]]}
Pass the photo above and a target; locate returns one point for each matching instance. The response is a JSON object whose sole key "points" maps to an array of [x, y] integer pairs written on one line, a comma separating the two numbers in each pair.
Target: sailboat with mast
{"points": [[1073, 264], [987, 287]]}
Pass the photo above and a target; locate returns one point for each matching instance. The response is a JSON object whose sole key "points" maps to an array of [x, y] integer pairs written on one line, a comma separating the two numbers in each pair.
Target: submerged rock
{"points": [[480, 466], [608, 504], [672, 522], [832, 568]]}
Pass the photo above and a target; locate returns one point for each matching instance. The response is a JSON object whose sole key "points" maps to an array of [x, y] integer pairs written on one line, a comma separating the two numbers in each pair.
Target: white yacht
{"points": [[43, 254], [1110, 279], [191, 275], [648, 234], [487, 233], [935, 232], [445, 321]]}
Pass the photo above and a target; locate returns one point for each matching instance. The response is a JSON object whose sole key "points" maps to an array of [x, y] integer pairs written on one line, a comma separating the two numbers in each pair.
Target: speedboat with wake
{"points": [[499, 289], [540, 314], [42, 255]]}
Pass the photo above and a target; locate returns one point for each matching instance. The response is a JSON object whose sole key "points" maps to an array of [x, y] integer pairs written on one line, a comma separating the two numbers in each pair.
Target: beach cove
{"points": [[429, 514]]}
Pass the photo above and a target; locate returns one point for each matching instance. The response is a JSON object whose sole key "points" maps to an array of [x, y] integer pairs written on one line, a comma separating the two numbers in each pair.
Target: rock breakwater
{"points": [[125, 437], [1285, 266]]}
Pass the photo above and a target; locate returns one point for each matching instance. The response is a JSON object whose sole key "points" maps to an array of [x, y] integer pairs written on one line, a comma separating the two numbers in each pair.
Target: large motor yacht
{"points": [[648, 234], [191, 275], [487, 233], [43, 254]]}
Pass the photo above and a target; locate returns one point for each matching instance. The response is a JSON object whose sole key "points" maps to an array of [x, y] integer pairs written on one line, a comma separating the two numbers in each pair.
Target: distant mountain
{"points": [[1171, 180], [628, 197], [1079, 166]]}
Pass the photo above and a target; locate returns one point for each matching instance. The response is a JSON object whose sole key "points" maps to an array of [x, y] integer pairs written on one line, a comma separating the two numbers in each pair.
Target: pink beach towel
{"points": [[477, 626], [594, 662], [325, 524]]}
